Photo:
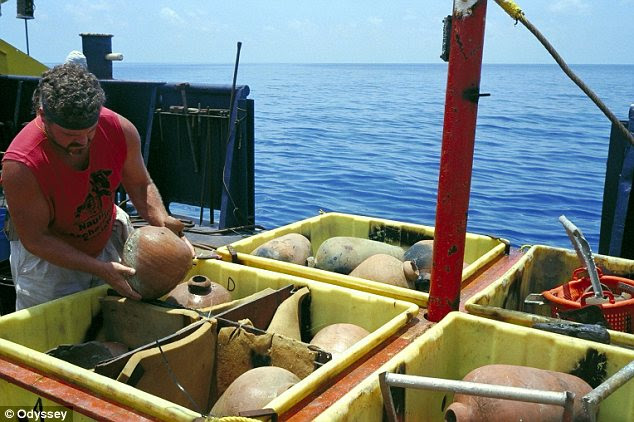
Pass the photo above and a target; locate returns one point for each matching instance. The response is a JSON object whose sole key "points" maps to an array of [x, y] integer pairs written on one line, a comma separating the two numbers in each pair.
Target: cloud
{"points": [[301, 25], [99, 16], [567, 6], [100, 6], [373, 20], [86, 10], [410, 16], [171, 16], [199, 20]]}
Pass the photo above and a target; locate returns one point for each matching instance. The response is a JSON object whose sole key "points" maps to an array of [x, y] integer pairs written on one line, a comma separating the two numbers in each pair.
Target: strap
{"points": [[234, 255]]}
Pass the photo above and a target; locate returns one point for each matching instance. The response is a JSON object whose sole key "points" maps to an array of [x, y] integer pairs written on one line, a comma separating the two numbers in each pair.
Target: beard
{"points": [[72, 149]]}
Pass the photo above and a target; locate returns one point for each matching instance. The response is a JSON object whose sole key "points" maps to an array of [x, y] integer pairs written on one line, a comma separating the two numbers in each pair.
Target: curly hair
{"points": [[70, 96]]}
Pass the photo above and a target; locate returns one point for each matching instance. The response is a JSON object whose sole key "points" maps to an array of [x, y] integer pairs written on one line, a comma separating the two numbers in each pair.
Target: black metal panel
{"points": [[231, 209], [136, 101], [16, 106], [617, 221], [190, 137], [613, 170], [623, 215], [250, 164], [172, 157]]}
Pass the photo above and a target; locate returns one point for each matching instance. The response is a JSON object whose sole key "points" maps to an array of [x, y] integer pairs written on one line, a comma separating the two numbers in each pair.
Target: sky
{"points": [[318, 31]]}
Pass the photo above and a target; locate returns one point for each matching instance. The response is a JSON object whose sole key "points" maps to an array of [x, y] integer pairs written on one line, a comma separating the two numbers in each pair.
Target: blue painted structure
{"points": [[617, 218], [95, 47]]}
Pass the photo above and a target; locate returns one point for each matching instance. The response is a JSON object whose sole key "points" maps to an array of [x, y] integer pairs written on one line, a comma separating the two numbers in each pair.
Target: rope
{"points": [[175, 380], [516, 13], [511, 8]]}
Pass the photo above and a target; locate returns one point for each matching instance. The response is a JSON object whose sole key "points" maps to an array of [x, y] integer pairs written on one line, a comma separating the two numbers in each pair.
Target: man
{"points": [[59, 176]]}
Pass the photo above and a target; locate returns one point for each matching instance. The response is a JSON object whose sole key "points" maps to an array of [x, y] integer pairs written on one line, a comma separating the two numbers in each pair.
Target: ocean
{"points": [[366, 138]]}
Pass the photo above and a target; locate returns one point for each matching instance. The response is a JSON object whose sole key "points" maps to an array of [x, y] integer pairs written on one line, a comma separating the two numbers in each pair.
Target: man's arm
{"points": [[30, 216], [140, 187]]}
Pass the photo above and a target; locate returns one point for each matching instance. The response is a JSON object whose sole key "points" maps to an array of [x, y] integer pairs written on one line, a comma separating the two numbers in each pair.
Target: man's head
{"points": [[69, 100], [70, 96]]}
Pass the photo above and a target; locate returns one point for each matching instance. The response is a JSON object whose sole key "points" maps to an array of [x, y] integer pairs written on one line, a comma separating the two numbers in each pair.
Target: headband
{"points": [[72, 123]]}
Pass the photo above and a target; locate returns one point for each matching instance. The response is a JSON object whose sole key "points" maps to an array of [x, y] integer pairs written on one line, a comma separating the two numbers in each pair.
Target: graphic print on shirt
{"points": [[90, 217]]}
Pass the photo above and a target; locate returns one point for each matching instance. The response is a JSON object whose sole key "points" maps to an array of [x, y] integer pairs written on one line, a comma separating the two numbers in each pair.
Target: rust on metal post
{"points": [[456, 160]]}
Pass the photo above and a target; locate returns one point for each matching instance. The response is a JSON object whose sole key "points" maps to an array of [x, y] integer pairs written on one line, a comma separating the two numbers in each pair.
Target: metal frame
{"points": [[565, 399], [593, 399], [388, 380]]}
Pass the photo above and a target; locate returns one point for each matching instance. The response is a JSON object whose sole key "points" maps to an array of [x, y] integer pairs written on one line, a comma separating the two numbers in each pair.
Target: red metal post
{"points": [[454, 182]]}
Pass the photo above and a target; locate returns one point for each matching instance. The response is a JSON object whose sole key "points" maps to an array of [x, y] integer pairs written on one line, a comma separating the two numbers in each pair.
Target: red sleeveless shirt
{"points": [[80, 202]]}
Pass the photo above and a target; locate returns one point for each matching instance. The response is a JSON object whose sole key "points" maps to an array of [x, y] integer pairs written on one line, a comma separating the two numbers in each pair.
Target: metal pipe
{"points": [[26, 34], [227, 197], [235, 78], [206, 162], [114, 57], [593, 399], [564, 399], [454, 179], [183, 90]]}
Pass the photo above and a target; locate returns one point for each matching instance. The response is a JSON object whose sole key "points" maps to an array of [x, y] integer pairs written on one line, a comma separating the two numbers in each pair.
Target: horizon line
{"points": [[353, 63]]}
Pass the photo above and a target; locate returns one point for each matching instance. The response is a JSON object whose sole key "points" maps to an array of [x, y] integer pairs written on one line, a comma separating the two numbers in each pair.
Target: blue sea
{"points": [[366, 138]]}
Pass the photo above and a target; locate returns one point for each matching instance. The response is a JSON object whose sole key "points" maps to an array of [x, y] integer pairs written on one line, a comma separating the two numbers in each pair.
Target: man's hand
{"points": [[178, 228], [116, 275], [175, 225]]}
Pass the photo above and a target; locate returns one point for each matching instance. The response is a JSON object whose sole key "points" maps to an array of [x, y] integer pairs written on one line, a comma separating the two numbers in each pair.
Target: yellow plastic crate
{"points": [[26, 334], [541, 268], [479, 249], [462, 342]]}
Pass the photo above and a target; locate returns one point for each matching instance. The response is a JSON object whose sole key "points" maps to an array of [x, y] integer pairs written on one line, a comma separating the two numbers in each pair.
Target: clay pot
{"points": [[337, 338], [292, 247], [161, 260], [466, 408], [342, 254], [411, 272], [253, 390], [198, 292], [383, 268], [421, 253]]}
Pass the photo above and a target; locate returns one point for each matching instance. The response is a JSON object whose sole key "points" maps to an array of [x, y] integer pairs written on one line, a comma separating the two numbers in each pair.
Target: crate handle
{"points": [[584, 253], [389, 379], [593, 399]]}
